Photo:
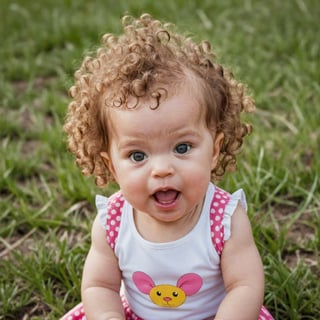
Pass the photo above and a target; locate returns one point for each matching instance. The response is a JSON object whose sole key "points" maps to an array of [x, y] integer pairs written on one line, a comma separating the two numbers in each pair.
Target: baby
{"points": [[154, 112]]}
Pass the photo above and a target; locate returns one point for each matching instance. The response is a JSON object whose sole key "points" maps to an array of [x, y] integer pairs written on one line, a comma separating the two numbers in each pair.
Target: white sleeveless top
{"points": [[175, 280]]}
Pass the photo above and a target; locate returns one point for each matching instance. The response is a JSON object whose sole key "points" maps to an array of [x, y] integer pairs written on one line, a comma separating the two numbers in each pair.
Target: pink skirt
{"points": [[77, 313]]}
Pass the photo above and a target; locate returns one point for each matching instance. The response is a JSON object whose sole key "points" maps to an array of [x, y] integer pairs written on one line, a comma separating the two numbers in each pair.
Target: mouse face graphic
{"points": [[167, 295]]}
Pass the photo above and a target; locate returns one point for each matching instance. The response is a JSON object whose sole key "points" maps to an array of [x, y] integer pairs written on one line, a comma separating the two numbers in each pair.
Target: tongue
{"points": [[166, 196]]}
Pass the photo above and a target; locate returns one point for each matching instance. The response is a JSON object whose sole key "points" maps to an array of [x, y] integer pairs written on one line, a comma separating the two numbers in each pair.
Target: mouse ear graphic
{"points": [[143, 282], [190, 283]]}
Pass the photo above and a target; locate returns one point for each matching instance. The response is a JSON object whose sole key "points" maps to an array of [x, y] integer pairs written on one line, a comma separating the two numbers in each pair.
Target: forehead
{"points": [[179, 109]]}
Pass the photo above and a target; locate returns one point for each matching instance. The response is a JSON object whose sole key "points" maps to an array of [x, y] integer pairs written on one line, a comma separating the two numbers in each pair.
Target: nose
{"points": [[167, 299], [162, 166]]}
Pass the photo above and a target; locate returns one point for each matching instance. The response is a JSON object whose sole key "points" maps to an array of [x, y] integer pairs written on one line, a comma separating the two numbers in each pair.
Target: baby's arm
{"points": [[101, 280], [242, 272]]}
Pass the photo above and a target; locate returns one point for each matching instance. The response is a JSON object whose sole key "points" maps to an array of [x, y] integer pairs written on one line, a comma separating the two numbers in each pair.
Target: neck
{"points": [[159, 231]]}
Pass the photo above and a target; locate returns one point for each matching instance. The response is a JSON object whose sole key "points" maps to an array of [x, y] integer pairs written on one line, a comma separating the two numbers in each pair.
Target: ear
{"points": [[108, 162], [217, 144], [143, 282], [190, 283]]}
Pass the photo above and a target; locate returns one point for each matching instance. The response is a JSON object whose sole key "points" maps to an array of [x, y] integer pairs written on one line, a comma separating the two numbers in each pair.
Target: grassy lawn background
{"points": [[47, 207]]}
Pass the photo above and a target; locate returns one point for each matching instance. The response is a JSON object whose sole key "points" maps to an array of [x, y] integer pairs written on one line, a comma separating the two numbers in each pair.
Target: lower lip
{"points": [[167, 206]]}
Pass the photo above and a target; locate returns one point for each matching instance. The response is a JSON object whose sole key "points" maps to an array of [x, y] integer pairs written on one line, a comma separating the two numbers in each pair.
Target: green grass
{"points": [[46, 206]]}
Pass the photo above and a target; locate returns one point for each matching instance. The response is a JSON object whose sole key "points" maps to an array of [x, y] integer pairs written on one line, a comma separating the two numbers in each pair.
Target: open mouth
{"points": [[166, 197]]}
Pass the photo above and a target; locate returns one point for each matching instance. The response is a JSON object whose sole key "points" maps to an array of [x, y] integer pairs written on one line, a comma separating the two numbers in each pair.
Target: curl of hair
{"points": [[147, 61]]}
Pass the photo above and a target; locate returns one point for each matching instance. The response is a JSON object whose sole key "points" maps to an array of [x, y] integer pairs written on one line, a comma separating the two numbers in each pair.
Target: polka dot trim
{"points": [[128, 312], [218, 204], [114, 211], [265, 314], [77, 313]]}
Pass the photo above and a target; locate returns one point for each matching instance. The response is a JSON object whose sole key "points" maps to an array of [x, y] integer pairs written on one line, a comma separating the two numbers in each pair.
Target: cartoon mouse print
{"points": [[167, 295]]}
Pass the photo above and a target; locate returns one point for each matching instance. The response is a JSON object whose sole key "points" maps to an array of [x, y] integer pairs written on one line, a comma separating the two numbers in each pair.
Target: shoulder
{"points": [[109, 215], [241, 236], [109, 207]]}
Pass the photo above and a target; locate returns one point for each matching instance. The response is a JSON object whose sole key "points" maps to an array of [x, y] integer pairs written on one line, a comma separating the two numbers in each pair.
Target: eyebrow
{"points": [[181, 132], [142, 138]]}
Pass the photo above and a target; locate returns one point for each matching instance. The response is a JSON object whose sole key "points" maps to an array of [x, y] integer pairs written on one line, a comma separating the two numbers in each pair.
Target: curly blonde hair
{"points": [[147, 58]]}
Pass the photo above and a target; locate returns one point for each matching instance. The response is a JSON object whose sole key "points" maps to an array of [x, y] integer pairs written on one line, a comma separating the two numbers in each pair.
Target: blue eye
{"points": [[137, 156], [182, 148]]}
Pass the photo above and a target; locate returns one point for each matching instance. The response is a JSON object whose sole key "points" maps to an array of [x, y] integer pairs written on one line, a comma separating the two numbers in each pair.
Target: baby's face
{"points": [[162, 159]]}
